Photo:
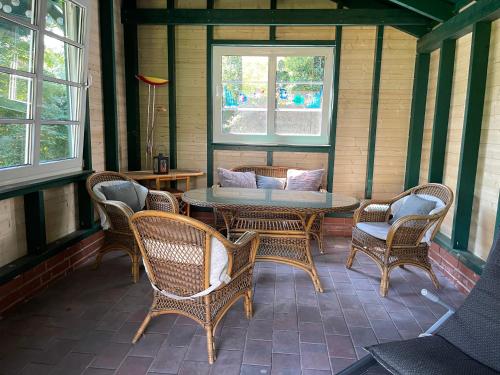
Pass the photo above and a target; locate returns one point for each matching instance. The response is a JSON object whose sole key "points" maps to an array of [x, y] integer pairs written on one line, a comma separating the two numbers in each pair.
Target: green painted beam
{"points": [[435, 9], [416, 31], [301, 42], [277, 148], [267, 17], [107, 39], [172, 106], [272, 29], [210, 134], [132, 90], [442, 111], [417, 119], [269, 158], [335, 107], [34, 217], [459, 25], [471, 134], [85, 206], [372, 137]]}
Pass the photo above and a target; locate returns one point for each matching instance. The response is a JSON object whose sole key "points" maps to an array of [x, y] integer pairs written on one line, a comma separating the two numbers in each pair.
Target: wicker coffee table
{"points": [[283, 219]]}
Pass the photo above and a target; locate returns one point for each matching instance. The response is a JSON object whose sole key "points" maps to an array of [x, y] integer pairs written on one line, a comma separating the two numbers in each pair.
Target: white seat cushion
{"points": [[377, 230]]}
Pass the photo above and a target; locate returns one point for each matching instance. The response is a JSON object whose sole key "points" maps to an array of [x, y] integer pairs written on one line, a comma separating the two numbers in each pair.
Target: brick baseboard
{"points": [[461, 276], [24, 286]]}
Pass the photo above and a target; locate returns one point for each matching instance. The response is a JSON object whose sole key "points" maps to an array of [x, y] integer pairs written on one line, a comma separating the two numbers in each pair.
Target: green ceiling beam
{"points": [[459, 25], [437, 10], [471, 134], [279, 17]]}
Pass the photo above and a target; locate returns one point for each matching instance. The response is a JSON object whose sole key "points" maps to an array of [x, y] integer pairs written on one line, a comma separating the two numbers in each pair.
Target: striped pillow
{"points": [[304, 180], [229, 178]]}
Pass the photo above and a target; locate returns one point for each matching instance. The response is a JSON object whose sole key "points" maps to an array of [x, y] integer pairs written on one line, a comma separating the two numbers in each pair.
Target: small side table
{"points": [[154, 181]]}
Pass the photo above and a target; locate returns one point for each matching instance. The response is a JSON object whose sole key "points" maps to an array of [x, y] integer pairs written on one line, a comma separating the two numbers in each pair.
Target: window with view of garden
{"points": [[272, 95], [41, 86]]}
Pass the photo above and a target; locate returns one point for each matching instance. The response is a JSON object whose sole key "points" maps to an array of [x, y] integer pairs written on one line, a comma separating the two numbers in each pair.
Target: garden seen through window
{"points": [[272, 95], [42, 75]]}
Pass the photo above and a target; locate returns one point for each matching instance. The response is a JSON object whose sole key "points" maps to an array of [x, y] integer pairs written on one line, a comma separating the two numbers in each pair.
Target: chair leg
{"points": [[210, 344], [320, 242], [384, 282], [135, 267], [141, 329], [248, 304], [433, 277], [351, 257]]}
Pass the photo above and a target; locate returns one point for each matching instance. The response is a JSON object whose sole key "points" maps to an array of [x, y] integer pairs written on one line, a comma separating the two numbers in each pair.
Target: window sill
{"points": [[22, 188]]}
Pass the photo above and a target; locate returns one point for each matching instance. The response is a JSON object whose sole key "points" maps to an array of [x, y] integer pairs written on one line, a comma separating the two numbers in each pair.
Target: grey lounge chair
{"points": [[465, 342]]}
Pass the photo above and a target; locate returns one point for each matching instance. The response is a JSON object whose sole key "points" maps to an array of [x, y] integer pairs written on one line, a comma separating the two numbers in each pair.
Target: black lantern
{"points": [[160, 164]]}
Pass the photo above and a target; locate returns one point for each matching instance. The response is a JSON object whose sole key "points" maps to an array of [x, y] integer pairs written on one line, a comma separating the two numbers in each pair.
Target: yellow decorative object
{"points": [[155, 81]]}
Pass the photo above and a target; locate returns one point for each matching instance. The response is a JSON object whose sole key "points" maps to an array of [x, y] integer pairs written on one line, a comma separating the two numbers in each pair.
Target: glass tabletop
{"points": [[269, 199]]}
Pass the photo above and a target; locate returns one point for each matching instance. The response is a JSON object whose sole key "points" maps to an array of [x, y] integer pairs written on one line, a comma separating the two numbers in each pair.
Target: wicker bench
{"points": [[277, 172]]}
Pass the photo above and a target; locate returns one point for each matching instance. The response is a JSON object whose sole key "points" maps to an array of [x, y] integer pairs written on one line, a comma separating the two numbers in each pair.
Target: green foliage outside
{"points": [[16, 96]]}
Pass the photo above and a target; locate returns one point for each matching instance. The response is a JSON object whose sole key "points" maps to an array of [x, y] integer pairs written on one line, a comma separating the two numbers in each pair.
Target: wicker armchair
{"points": [[406, 240], [119, 237], [177, 254], [278, 172]]}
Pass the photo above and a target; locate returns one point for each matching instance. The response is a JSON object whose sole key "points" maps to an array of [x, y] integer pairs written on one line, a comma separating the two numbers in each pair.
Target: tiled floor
{"points": [[84, 323]]}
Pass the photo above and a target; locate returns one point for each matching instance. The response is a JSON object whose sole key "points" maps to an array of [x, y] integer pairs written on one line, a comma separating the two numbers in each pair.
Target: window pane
{"points": [[13, 145], [244, 94], [65, 18], [18, 8], [299, 95], [16, 46], [15, 96], [61, 60], [59, 102], [57, 142]]}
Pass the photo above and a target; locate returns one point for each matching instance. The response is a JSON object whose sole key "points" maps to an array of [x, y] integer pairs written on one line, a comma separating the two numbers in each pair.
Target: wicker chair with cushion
{"points": [[465, 342], [407, 239], [115, 216], [277, 172], [193, 269]]}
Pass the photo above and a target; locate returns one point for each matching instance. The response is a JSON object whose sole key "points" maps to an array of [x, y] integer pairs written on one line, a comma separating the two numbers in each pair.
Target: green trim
{"points": [[23, 264], [346, 215], [87, 142], [471, 134], [461, 24], [273, 42], [471, 261], [278, 148], [335, 106], [172, 106], [210, 135], [107, 39], [417, 119], [85, 206], [437, 10], [132, 91], [269, 158], [372, 137], [268, 17], [34, 216], [272, 29], [23, 188], [442, 111]]}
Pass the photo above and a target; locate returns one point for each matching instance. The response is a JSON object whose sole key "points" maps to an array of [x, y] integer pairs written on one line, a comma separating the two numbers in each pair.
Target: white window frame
{"points": [[271, 138], [34, 169]]}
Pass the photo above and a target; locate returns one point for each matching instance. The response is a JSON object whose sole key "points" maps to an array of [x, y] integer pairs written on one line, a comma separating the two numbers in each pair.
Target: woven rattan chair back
{"points": [[175, 250]]}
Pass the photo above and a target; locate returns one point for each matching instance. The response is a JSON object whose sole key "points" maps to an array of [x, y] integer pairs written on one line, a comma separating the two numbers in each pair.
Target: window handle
{"points": [[90, 81]]}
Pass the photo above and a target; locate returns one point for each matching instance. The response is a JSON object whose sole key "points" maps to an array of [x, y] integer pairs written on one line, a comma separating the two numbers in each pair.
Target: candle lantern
{"points": [[160, 164]]}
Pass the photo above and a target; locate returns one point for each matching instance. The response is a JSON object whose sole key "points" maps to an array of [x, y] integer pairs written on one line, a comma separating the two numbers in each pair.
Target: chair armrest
{"points": [[243, 251], [409, 230], [162, 201], [118, 214], [372, 211], [434, 298]]}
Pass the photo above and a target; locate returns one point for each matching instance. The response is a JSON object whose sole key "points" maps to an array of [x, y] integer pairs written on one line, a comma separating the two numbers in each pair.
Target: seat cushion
{"points": [[430, 355], [266, 182], [377, 230], [413, 205], [229, 178], [301, 180]]}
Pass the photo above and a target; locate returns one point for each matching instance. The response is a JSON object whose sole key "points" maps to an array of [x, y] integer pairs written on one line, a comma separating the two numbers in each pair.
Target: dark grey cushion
{"points": [[431, 355], [475, 327], [124, 192], [266, 182], [413, 205]]}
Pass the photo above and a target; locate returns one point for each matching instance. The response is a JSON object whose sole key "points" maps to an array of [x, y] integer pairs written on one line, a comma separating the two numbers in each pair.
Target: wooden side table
{"points": [[154, 181]]}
